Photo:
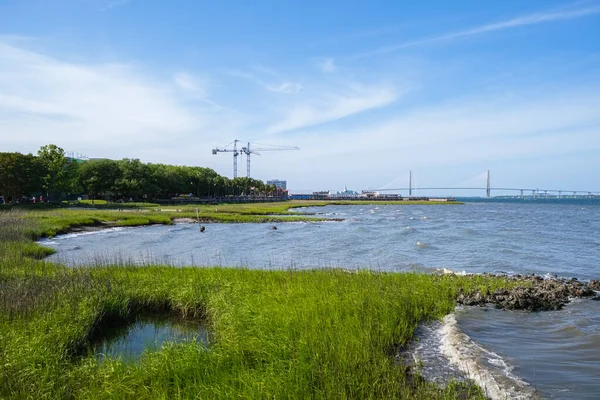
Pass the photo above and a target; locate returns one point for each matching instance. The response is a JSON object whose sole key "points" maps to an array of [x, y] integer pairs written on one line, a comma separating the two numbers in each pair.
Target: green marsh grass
{"points": [[277, 334]]}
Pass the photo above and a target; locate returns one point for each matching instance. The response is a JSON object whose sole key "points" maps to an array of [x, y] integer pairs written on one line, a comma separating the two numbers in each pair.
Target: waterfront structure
{"points": [[279, 184], [369, 193], [320, 195], [347, 193]]}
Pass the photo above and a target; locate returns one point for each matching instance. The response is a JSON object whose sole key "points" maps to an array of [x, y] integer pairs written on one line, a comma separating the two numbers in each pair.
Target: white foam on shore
{"points": [[496, 381], [447, 271]]}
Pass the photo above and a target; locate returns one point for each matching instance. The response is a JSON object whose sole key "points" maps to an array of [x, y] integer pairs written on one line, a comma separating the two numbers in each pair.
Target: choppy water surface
{"points": [[510, 238], [555, 352], [552, 354]]}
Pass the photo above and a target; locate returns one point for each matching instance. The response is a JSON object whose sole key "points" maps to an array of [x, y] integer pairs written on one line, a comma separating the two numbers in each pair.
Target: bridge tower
{"points": [[488, 190], [409, 183]]}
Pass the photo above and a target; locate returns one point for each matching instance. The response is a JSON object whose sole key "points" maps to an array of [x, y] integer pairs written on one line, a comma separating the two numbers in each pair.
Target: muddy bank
{"points": [[184, 220], [91, 228], [533, 293]]}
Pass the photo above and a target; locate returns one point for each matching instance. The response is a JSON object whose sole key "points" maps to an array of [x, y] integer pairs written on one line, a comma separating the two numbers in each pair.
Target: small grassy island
{"points": [[274, 334]]}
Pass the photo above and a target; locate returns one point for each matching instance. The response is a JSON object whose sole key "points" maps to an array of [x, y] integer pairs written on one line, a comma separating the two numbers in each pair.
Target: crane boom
{"points": [[247, 151], [235, 152]]}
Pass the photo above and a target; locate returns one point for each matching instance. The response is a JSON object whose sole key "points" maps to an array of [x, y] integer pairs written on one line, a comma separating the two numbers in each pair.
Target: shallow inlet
{"points": [[129, 340]]}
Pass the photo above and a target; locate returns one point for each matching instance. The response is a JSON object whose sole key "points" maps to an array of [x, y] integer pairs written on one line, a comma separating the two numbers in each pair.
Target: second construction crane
{"points": [[247, 150]]}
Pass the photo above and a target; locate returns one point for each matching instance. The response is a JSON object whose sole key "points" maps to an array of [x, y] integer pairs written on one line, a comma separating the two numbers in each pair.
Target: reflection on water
{"points": [[128, 341]]}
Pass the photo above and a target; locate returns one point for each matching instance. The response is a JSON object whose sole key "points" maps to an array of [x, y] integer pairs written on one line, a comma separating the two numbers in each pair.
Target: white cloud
{"points": [[106, 110], [197, 89], [285, 87], [474, 131], [186, 82], [334, 106], [446, 142], [525, 20], [282, 86], [118, 110]]}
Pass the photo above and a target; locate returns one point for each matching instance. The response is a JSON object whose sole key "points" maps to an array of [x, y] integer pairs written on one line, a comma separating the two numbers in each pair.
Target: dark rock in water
{"points": [[202, 228], [274, 227], [595, 284], [581, 290], [536, 294]]}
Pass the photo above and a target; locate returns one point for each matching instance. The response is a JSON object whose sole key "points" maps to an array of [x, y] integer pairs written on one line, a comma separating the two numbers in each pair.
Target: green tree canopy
{"points": [[98, 178], [60, 171], [20, 175]]}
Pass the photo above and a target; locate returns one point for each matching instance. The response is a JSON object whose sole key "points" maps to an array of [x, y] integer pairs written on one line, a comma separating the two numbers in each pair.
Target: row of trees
{"points": [[54, 175]]}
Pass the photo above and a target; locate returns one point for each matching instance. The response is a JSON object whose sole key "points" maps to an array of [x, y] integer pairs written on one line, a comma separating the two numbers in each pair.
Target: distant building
{"points": [[346, 193], [77, 157], [369, 193], [321, 194], [278, 184]]}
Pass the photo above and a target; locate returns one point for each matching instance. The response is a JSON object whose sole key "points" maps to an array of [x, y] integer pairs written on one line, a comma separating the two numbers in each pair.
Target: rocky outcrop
{"points": [[532, 293]]}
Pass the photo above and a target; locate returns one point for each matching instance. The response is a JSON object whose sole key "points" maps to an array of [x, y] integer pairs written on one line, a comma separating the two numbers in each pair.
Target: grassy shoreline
{"points": [[48, 222], [277, 334]]}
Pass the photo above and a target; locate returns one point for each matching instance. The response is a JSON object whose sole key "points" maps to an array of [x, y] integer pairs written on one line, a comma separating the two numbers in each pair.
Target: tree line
{"points": [[55, 176]]}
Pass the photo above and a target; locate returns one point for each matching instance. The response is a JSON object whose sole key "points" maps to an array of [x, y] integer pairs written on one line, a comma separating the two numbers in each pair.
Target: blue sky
{"points": [[367, 90]]}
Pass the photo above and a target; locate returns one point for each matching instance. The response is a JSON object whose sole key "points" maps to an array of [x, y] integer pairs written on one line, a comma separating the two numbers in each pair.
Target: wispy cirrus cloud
{"points": [[532, 19], [280, 86], [191, 84], [285, 87], [332, 106], [197, 88]]}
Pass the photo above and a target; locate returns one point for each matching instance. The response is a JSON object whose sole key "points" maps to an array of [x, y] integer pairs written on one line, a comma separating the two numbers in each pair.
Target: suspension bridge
{"points": [[518, 192]]}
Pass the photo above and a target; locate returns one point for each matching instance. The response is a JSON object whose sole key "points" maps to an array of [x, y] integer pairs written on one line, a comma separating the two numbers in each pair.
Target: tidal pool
{"points": [[128, 341]]}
